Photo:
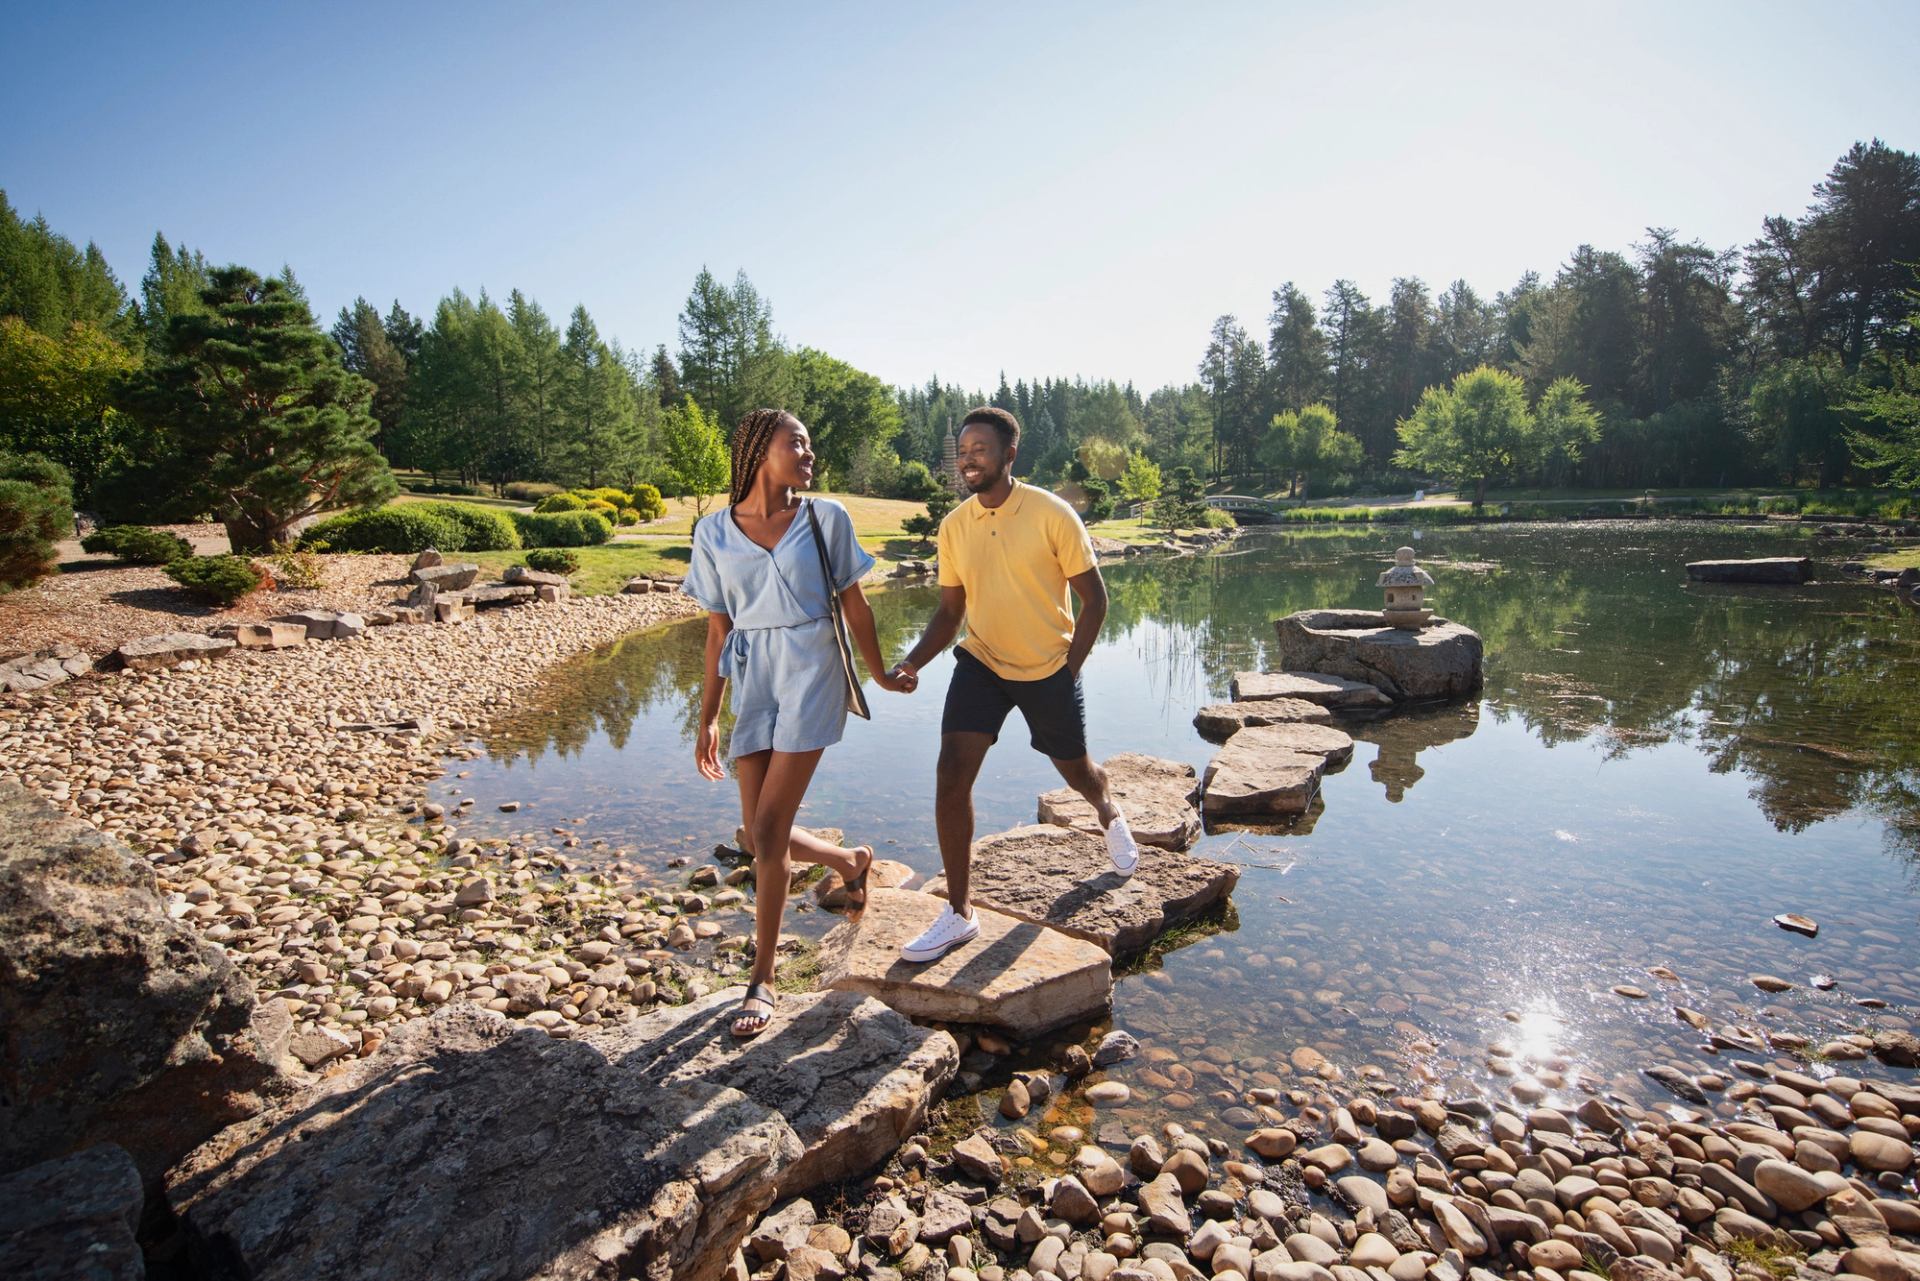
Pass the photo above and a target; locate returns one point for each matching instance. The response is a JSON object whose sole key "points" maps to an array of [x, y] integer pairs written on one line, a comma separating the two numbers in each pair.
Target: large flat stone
{"points": [[120, 1024], [851, 1077], [1016, 975], [169, 649], [1272, 769], [1441, 660], [448, 577], [72, 1217], [1766, 569], [471, 1147], [1061, 878], [1219, 722], [1159, 797], [1314, 687]]}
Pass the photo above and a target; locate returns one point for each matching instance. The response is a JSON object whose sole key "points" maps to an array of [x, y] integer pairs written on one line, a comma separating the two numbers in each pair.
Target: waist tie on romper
{"points": [[733, 655]]}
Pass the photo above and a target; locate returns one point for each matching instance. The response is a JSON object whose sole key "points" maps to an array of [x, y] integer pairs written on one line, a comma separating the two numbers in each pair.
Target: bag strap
{"points": [[826, 565]]}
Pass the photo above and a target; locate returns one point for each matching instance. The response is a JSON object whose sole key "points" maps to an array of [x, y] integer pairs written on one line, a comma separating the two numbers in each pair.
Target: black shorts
{"points": [[979, 698]]}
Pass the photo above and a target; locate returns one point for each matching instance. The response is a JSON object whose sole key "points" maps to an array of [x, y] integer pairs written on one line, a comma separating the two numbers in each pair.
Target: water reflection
{"points": [[1653, 771]]}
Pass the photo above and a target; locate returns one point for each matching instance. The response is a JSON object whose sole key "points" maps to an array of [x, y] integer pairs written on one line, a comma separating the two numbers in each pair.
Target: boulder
{"points": [[1441, 660], [1218, 722], [1063, 879], [44, 667], [1765, 569], [72, 1217], [500, 594], [1336, 692], [320, 623], [548, 594], [1016, 975], [521, 576], [429, 558], [1272, 769], [1159, 798], [121, 1024], [169, 649], [468, 1146], [448, 577], [264, 635], [886, 874]]}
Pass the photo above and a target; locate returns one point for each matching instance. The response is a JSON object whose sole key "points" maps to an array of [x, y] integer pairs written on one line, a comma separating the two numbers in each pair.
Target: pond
{"points": [[1653, 772]]}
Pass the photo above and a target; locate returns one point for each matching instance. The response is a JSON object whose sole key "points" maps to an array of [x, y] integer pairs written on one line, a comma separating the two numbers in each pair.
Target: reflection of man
{"points": [[1008, 556]]}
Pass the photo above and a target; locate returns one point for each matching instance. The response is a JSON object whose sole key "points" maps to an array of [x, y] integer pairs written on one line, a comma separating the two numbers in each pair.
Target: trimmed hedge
{"points": [[560, 503], [562, 529], [529, 491], [36, 511], [647, 501], [408, 528], [137, 544], [553, 560], [221, 579], [482, 529]]}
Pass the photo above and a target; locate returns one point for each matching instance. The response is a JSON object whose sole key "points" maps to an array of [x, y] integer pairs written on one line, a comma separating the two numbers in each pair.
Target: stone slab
{"points": [[448, 577], [852, 1078], [265, 635], [54, 665], [169, 649], [72, 1217], [1159, 797], [471, 1146], [1063, 879], [1765, 569], [1270, 769], [521, 575], [1219, 722], [1440, 660], [498, 594], [1016, 975], [1314, 687]]}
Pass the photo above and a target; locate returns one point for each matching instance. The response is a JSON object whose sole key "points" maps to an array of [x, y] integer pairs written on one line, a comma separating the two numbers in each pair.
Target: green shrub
{"points": [[36, 511], [560, 503], [1216, 519], [137, 544], [647, 501], [452, 487], [482, 529], [606, 494], [221, 579], [295, 568], [400, 528], [627, 516], [553, 560], [529, 491], [914, 481], [562, 529], [602, 506]]}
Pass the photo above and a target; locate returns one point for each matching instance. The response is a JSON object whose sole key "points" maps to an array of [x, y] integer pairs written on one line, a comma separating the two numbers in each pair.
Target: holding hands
{"points": [[902, 679]]}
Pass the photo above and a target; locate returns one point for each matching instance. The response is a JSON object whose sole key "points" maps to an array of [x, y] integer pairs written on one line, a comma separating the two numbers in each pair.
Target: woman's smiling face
{"points": [[789, 460]]}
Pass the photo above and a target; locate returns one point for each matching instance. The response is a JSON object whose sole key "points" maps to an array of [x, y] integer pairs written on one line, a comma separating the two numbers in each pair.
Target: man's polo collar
{"points": [[1011, 506]]}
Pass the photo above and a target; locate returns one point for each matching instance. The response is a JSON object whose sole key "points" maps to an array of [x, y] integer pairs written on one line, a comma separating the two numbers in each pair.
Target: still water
{"points": [[1653, 772]]}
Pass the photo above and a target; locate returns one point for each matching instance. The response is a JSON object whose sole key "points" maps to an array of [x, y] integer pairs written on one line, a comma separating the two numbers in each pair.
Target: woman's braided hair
{"points": [[751, 440]]}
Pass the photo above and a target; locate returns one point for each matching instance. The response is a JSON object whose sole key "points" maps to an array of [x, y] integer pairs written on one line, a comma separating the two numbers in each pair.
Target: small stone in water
{"points": [[1797, 923], [1630, 992], [1770, 983]]}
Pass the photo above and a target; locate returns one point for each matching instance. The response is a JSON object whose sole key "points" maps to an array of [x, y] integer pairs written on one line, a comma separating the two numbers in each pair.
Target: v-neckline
{"points": [[779, 542]]}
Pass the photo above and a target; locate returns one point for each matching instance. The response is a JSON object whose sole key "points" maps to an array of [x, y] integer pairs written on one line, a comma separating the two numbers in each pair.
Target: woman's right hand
{"points": [[706, 752]]}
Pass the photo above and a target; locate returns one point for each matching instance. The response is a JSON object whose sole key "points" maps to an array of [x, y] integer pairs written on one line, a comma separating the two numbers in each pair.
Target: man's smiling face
{"points": [[983, 459]]}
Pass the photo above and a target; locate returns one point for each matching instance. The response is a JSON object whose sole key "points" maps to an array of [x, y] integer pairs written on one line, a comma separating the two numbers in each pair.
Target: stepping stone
{"points": [[1767, 569], [1272, 769], [1219, 722], [665, 1144], [1062, 878], [1159, 798], [73, 1216], [1313, 687], [1016, 975], [1440, 660]]}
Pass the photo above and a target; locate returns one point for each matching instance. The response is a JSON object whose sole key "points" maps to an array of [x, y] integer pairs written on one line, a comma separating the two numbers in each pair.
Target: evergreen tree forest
{"points": [[1664, 363]]}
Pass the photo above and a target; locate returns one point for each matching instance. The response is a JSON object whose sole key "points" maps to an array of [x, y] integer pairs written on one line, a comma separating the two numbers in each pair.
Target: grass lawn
{"points": [[1901, 558], [505, 504], [603, 570]]}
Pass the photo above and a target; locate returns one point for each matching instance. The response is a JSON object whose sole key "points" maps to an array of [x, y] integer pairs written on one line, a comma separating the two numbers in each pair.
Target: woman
{"points": [[756, 570]]}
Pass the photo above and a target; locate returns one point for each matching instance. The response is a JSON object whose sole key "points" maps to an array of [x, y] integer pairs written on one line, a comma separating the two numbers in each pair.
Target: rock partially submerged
{"points": [[1219, 722], [1063, 879], [1019, 976], [1159, 797], [121, 1024], [469, 1146], [1335, 692], [1766, 569], [1440, 660], [1272, 770], [72, 1217]]}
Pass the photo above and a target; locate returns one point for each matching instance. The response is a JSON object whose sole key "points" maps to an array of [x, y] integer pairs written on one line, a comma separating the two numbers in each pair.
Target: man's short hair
{"points": [[999, 419]]}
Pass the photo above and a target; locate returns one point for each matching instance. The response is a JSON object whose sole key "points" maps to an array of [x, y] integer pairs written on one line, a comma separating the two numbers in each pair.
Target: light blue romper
{"points": [[781, 657]]}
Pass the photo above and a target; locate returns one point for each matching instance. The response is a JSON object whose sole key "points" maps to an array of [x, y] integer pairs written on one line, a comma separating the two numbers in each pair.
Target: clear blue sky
{"points": [[1049, 188]]}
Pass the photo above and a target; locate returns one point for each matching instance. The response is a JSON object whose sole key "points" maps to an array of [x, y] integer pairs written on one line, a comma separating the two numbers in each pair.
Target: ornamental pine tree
{"points": [[252, 416]]}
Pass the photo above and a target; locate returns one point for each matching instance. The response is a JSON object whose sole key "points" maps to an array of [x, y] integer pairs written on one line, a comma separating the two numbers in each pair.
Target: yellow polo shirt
{"points": [[1014, 561]]}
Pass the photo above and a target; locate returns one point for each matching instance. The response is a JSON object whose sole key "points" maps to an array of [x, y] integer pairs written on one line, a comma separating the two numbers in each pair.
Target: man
{"points": [[1008, 557]]}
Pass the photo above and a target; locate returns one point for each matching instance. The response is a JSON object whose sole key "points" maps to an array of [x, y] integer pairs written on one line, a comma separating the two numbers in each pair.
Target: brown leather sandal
{"points": [[751, 1023], [855, 890]]}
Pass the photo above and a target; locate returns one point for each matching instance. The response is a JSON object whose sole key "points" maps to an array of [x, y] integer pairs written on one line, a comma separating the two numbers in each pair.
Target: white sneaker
{"points": [[949, 931], [1121, 847]]}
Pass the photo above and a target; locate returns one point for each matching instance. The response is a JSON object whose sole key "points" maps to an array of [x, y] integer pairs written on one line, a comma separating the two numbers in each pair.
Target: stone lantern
{"points": [[1406, 587]]}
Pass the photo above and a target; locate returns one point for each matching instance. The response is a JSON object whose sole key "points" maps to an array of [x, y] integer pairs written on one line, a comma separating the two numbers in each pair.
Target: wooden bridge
{"points": [[1244, 509]]}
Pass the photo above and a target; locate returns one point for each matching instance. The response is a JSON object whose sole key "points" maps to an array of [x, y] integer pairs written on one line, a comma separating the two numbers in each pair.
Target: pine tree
{"points": [[252, 414]]}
